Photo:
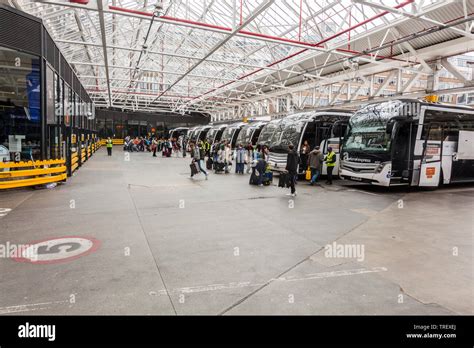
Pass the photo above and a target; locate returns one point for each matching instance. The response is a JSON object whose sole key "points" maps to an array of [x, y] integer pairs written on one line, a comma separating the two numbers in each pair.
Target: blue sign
{"points": [[33, 88]]}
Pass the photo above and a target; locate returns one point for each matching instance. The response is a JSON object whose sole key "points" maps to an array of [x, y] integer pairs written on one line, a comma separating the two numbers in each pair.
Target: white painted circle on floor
{"points": [[57, 250]]}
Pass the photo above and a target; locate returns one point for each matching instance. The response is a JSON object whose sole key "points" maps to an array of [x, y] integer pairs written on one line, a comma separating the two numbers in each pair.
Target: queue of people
{"points": [[167, 146]]}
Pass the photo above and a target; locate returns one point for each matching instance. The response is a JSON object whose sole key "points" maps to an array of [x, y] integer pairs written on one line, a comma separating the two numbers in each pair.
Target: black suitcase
{"points": [[194, 168], [253, 178], [209, 163], [283, 180], [219, 167]]}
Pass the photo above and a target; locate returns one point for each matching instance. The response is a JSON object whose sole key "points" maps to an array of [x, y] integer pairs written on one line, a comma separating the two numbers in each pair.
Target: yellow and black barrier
{"points": [[21, 174], [74, 162], [83, 155]]}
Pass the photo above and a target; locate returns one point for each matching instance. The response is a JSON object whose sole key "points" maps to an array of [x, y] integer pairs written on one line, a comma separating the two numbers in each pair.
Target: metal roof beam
{"points": [[104, 46], [260, 9]]}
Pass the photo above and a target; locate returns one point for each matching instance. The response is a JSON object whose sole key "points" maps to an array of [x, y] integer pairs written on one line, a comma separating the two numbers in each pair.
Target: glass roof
{"points": [[202, 55]]}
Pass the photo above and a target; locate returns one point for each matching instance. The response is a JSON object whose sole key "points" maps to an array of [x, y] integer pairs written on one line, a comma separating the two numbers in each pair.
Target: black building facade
{"points": [[45, 112]]}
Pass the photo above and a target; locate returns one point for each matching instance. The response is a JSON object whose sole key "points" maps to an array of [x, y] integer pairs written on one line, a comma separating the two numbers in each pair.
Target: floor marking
{"points": [[368, 193], [365, 211], [335, 274], [29, 307], [237, 285], [56, 250], [4, 211], [173, 186]]}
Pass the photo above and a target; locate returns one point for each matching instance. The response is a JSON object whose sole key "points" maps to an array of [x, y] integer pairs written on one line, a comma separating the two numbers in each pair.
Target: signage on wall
{"points": [[33, 90]]}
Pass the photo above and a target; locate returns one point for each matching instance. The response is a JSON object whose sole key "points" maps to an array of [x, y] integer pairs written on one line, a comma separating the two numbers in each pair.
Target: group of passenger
{"points": [[249, 158], [167, 146], [313, 159], [220, 157]]}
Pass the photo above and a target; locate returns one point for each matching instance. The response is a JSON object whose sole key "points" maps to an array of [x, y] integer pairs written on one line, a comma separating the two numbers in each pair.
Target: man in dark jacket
{"points": [[196, 158], [315, 163], [291, 167]]}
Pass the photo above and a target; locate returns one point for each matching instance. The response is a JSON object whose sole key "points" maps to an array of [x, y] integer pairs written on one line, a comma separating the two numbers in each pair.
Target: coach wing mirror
{"points": [[337, 129]]}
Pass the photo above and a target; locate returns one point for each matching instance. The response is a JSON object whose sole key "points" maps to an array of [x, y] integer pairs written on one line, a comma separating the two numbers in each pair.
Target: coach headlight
{"points": [[380, 167]]}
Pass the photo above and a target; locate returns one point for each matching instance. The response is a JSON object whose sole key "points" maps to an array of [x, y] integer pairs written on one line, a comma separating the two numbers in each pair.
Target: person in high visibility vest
{"points": [[330, 163], [109, 144], [207, 148]]}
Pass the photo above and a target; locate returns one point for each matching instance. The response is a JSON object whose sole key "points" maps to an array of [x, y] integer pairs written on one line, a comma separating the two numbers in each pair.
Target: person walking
{"points": [[330, 160], [109, 144], [292, 167], [315, 164], [196, 156]]}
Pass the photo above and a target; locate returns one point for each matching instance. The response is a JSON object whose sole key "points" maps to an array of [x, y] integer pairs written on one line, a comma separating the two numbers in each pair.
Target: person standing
{"points": [[154, 146], [291, 167], [109, 144], [249, 157], [265, 153], [315, 163], [207, 148], [330, 164], [184, 145], [239, 159], [227, 157], [305, 150]]}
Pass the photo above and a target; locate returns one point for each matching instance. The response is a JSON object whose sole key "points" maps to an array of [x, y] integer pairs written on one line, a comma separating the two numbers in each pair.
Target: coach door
{"points": [[430, 169]]}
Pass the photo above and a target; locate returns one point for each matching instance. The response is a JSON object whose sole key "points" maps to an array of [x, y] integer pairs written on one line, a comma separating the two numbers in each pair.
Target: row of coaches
{"points": [[397, 142], [235, 133]]}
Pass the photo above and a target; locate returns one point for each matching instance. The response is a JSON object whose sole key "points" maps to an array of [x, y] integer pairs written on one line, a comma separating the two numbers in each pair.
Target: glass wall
{"points": [[20, 106], [40, 114]]}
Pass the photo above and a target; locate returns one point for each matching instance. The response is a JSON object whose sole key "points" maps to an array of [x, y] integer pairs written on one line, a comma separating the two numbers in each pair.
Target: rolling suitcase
{"points": [[209, 163], [194, 168], [283, 180]]}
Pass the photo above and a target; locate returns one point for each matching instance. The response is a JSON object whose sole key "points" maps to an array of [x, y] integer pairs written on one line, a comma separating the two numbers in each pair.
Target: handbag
{"points": [[308, 174]]}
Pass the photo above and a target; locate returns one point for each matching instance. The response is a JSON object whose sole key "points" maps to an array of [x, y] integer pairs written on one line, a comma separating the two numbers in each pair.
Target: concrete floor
{"points": [[224, 247]]}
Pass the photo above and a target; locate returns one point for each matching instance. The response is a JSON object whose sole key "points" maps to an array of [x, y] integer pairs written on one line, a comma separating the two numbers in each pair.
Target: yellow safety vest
{"points": [[329, 159], [109, 143]]}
